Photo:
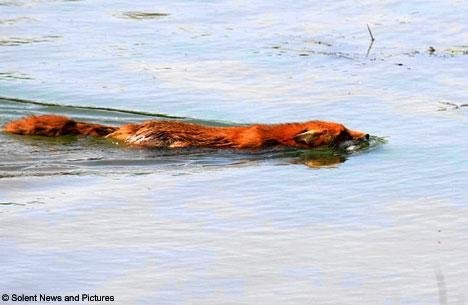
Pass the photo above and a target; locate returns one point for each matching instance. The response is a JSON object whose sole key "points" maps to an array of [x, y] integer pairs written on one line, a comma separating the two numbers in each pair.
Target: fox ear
{"points": [[308, 136]]}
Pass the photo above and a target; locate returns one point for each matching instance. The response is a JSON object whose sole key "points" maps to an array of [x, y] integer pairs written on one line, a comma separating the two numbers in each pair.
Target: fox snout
{"points": [[355, 140], [358, 135]]}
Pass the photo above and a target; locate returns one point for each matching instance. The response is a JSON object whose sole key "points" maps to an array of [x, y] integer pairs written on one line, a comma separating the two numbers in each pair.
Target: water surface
{"points": [[382, 226]]}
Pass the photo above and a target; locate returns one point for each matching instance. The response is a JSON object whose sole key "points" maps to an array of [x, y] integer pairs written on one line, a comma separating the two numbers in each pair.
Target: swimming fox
{"points": [[177, 134]]}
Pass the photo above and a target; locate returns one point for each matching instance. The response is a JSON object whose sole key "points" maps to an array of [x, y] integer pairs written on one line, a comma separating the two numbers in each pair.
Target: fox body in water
{"points": [[175, 134]]}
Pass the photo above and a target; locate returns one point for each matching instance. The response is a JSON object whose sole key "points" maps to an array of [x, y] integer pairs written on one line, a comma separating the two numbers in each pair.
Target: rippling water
{"points": [[385, 225]]}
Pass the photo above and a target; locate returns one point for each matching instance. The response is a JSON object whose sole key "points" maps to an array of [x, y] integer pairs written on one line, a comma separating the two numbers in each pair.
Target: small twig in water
{"points": [[372, 40], [451, 106], [370, 33]]}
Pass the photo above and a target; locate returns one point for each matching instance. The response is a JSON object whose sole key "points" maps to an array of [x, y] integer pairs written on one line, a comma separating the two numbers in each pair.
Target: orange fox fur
{"points": [[172, 134]]}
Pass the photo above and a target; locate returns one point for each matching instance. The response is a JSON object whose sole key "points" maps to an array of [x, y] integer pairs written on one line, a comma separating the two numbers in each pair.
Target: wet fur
{"points": [[174, 134]]}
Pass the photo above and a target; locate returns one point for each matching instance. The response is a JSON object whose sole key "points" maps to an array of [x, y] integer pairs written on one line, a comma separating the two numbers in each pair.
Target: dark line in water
{"points": [[11, 203], [17, 100]]}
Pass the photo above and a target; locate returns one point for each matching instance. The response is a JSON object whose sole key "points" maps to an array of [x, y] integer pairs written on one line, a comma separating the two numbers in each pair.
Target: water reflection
{"points": [[320, 159]]}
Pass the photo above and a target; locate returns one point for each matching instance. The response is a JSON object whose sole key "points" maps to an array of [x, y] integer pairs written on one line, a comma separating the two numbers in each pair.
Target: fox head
{"points": [[316, 134], [328, 134]]}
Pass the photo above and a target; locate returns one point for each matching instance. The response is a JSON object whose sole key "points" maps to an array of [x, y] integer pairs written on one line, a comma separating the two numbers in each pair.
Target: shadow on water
{"points": [[71, 155]]}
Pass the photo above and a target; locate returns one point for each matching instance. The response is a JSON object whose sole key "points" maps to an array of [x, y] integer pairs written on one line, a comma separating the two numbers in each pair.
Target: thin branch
{"points": [[451, 106], [370, 33], [370, 47], [372, 40]]}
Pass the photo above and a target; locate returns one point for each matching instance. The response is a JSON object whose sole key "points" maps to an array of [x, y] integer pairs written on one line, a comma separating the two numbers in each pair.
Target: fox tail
{"points": [[56, 125]]}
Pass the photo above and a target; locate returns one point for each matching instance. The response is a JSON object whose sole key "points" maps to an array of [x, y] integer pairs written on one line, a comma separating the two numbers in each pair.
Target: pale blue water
{"points": [[387, 226]]}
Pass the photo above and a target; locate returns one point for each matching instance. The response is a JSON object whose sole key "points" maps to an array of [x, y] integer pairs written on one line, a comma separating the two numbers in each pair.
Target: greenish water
{"points": [[383, 225]]}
